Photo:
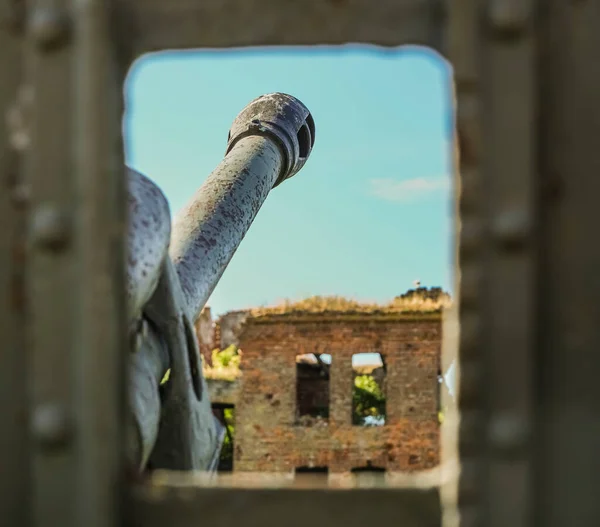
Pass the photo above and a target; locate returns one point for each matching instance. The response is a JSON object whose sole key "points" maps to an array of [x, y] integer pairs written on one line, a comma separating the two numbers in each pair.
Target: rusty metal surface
{"points": [[188, 433], [14, 459], [269, 141], [265, 146], [285, 120], [148, 236], [185, 507], [209, 229], [181, 24]]}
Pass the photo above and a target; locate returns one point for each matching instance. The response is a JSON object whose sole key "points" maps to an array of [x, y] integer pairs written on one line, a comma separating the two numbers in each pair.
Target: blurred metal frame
{"points": [[528, 119], [76, 56]]}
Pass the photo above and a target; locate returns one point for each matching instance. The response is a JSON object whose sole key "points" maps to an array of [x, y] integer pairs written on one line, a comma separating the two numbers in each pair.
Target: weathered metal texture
{"points": [[75, 269], [14, 455], [153, 507], [180, 24], [149, 361], [148, 238], [175, 427], [207, 232], [285, 120], [513, 223], [187, 435], [269, 142], [567, 361], [494, 49]]}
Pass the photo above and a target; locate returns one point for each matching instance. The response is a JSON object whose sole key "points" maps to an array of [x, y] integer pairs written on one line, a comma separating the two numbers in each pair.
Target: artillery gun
{"points": [[171, 273]]}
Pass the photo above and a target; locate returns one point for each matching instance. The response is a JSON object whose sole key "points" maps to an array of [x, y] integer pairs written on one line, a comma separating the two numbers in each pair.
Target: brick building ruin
{"points": [[295, 401]]}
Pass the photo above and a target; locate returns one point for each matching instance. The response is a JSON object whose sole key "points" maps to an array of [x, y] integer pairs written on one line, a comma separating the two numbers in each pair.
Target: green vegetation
{"points": [[225, 364], [368, 401], [166, 378], [419, 300], [226, 459], [228, 358]]}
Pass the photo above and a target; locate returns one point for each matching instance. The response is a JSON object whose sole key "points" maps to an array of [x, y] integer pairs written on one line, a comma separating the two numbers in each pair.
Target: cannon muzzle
{"points": [[269, 141], [283, 118]]}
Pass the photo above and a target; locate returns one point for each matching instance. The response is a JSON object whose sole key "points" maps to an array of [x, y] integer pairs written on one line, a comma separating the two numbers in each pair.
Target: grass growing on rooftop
{"points": [[419, 300]]}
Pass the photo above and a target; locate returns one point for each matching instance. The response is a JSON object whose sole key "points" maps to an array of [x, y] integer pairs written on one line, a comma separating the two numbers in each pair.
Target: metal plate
{"points": [[186, 507], [180, 24], [492, 48], [76, 59], [75, 268], [567, 361], [13, 204], [528, 126]]}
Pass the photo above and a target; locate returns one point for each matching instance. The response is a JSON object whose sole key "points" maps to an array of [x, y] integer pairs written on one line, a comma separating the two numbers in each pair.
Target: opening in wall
{"points": [[368, 476], [312, 389], [321, 268], [368, 390], [311, 477], [226, 414]]}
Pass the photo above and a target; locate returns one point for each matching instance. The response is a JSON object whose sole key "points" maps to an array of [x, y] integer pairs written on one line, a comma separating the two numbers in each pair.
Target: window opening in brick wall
{"points": [[312, 389], [311, 477], [226, 414], [368, 389], [368, 476]]}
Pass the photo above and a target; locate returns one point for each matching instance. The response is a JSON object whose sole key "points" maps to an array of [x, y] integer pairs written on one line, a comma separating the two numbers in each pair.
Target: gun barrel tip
{"points": [[284, 118]]}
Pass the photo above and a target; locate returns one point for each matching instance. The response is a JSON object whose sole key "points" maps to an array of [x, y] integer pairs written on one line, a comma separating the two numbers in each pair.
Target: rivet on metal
{"points": [[50, 228], [49, 27], [511, 229], [508, 434], [17, 117], [509, 18], [51, 427], [20, 194]]}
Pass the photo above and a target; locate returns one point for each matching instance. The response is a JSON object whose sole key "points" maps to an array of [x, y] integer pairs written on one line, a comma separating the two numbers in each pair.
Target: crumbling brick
{"points": [[270, 438]]}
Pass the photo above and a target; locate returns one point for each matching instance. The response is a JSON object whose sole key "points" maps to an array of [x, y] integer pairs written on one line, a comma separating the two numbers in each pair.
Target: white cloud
{"points": [[408, 189]]}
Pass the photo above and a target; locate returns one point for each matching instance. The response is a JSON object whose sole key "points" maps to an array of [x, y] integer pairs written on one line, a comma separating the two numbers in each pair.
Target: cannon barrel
{"points": [[269, 141]]}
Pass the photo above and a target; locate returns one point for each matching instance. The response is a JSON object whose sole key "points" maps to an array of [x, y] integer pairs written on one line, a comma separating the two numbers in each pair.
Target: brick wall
{"points": [[267, 436]]}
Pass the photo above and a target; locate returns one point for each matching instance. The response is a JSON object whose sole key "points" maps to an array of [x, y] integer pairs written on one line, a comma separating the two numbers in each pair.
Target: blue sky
{"points": [[368, 215]]}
